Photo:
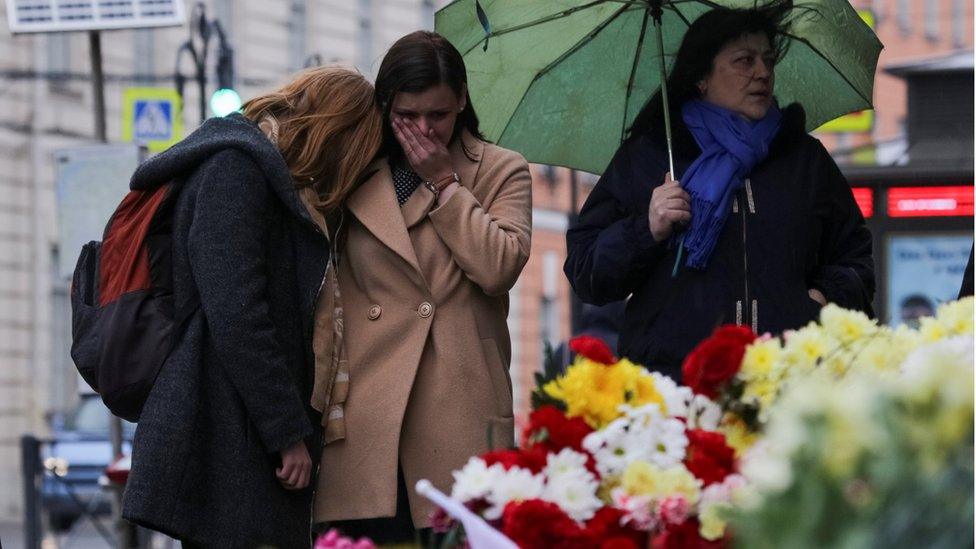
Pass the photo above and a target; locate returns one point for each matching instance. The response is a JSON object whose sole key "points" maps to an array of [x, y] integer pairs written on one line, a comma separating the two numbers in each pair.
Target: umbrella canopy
{"points": [[561, 80]]}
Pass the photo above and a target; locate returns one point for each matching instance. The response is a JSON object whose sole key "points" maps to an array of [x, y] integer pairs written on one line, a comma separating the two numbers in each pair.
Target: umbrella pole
{"points": [[656, 13]]}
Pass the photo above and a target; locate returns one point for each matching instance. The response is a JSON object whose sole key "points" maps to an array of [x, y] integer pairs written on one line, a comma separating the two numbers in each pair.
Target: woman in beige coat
{"points": [[435, 239]]}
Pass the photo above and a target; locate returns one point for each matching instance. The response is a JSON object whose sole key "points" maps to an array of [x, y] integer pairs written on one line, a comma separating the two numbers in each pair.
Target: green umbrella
{"points": [[561, 80]]}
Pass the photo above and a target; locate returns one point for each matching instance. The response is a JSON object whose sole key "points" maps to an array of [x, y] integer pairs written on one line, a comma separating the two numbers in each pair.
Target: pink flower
{"points": [[674, 510], [334, 540], [636, 510]]}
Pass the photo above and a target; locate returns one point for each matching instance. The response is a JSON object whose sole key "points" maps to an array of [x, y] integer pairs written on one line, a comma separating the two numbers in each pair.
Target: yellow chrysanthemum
{"points": [[595, 391], [737, 434], [712, 522], [807, 345], [878, 354], [956, 317], [645, 479], [847, 326], [932, 330], [760, 359], [763, 392]]}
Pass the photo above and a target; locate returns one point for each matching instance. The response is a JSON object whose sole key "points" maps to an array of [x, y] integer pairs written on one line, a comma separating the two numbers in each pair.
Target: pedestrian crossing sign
{"points": [[152, 116]]}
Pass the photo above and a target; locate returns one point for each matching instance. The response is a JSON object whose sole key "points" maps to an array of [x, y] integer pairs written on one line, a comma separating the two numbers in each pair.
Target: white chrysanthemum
{"points": [[767, 467], [475, 480], [667, 443], [945, 366], [515, 484], [703, 413], [567, 462], [676, 397], [612, 453], [641, 434], [722, 492], [574, 491]]}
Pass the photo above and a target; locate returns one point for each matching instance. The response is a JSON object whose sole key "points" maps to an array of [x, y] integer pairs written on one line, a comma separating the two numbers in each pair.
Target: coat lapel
{"points": [[417, 206], [375, 205]]}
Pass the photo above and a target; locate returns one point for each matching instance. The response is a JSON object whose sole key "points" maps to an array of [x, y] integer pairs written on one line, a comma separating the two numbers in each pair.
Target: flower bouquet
{"points": [[613, 456]]}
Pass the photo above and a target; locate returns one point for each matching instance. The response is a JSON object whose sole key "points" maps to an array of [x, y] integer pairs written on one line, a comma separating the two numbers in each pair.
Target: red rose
{"points": [[539, 524], [592, 348], [708, 457], [619, 543], [533, 459], [550, 427], [684, 536], [716, 360], [605, 525], [549, 431]]}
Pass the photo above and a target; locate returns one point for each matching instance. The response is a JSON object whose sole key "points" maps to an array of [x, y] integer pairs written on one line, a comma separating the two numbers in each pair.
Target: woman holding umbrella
{"points": [[762, 229]]}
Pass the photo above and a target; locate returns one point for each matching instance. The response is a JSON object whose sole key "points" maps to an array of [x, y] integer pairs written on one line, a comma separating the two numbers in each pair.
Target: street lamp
{"points": [[225, 100]]}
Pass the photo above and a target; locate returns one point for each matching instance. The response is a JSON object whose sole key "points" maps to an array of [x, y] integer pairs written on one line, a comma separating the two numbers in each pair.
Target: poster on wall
{"points": [[91, 181], [924, 271]]}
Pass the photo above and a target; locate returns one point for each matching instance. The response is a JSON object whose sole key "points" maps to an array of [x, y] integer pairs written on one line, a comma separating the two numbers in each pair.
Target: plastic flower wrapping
{"points": [[776, 441]]}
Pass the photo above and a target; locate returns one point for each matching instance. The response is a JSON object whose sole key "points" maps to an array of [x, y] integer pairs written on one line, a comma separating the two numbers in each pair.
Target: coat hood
{"points": [[214, 136]]}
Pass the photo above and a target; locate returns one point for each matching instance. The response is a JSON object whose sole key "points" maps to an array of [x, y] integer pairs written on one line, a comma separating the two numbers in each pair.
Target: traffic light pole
{"points": [[125, 533], [197, 47]]}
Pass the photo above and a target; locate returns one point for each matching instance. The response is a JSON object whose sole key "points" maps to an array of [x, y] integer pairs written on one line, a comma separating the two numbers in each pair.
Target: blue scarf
{"points": [[731, 147]]}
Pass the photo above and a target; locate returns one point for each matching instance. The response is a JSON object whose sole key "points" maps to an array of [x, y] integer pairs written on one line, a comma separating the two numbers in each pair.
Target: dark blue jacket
{"points": [[794, 226]]}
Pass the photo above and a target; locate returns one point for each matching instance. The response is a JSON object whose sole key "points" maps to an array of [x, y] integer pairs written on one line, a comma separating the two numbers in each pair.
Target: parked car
{"points": [[74, 461]]}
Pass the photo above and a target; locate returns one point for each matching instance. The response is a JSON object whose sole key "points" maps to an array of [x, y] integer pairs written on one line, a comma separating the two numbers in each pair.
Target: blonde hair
{"points": [[328, 128]]}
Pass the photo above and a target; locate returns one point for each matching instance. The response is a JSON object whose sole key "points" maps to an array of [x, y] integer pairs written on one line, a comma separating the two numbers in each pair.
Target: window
{"points": [[144, 49], [59, 62], [905, 16], [223, 11], [959, 23], [515, 330], [549, 325], [296, 34], [364, 57], [427, 14], [932, 20], [64, 378], [877, 7]]}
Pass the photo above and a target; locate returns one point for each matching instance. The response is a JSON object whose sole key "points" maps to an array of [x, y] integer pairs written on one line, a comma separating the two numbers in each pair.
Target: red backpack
{"points": [[123, 323]]}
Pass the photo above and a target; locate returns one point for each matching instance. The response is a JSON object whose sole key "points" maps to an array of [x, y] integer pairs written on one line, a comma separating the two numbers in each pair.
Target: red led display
{"points": [[930, 201], [864, 196]]}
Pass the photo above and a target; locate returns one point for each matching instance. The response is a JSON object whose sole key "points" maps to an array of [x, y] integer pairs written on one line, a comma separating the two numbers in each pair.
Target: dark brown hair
{"points": [[415, 63]]}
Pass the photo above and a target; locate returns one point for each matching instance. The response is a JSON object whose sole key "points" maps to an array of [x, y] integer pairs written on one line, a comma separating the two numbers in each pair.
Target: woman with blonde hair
{"points": [[221, 456]]}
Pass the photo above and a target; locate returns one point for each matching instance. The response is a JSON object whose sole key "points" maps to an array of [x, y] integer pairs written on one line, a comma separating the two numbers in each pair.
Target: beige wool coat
{"points": [[424, 290]]}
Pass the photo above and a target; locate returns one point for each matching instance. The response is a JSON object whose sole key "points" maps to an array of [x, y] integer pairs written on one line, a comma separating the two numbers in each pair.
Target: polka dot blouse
{"points": [[405, 182]]}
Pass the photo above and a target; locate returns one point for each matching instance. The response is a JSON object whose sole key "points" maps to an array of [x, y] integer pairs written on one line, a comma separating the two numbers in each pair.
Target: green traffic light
{"points": [[225, 101]]}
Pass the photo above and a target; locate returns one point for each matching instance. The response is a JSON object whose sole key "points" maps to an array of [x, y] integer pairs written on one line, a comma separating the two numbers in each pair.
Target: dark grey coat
{"points": [[234, 391]]}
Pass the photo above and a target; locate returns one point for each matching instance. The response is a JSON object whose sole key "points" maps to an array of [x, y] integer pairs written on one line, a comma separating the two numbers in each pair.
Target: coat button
{"points": [[374, 312], [425, 309]]}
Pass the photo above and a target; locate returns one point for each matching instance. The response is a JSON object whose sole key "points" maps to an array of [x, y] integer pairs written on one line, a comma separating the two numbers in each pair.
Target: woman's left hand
{"points": [[817, 296], [428, 157]]}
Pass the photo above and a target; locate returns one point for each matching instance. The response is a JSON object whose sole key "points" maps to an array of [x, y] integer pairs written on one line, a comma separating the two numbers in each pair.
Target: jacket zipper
{"points": [[745, 262]]}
